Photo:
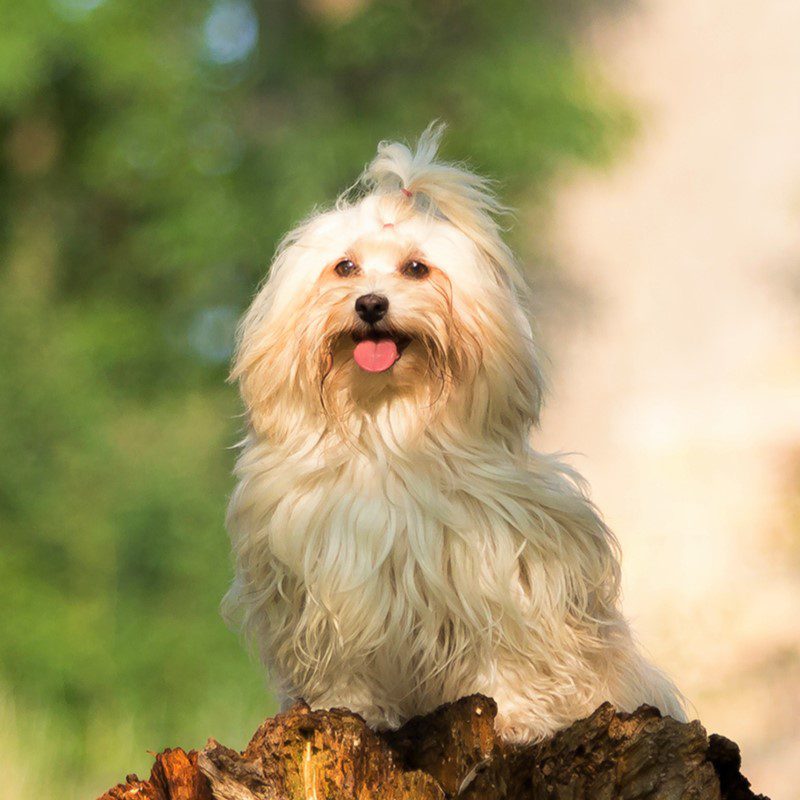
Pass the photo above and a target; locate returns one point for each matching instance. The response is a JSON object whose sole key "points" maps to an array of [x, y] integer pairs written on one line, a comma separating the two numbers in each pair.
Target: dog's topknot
{"points": [[446, 189]]}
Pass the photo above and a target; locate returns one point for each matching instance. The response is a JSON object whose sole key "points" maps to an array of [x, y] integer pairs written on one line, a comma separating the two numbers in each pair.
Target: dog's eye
{"points": [[415, 270], [345, 268]]}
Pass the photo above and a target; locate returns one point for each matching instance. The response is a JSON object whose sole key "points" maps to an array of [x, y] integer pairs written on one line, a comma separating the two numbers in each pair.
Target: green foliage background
{"points": [[152, 155]]}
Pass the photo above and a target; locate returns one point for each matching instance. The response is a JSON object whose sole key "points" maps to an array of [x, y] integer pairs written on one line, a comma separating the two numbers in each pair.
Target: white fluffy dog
{"points": [[398, 542]]}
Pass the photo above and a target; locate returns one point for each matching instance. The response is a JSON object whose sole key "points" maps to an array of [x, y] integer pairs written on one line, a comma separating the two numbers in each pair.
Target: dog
{"points": [[398, 542]]}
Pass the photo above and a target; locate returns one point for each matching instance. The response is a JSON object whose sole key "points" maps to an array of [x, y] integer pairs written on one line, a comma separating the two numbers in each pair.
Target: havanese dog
{"points": [[398, 541]]}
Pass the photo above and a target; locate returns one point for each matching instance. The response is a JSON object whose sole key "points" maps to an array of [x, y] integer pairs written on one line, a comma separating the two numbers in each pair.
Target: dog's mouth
{"points": [[378, 351]]}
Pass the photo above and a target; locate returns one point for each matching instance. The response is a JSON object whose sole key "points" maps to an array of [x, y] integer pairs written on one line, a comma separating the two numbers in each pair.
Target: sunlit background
{"points": [[152, 153]]}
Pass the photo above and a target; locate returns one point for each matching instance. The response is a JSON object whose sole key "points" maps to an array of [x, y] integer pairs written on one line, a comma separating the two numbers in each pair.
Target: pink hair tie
{"points": [[406, 192]]}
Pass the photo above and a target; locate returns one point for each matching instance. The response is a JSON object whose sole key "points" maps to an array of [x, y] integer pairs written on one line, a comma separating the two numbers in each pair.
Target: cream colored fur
{"points": [[398, 542]]}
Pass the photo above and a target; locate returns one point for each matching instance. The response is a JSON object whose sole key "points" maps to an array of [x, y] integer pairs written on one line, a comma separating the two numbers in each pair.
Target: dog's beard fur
{"points": [[398, 543], [437, 352]]}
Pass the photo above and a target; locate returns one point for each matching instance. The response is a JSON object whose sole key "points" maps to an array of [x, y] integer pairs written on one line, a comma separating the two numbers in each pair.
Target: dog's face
{"points": [[374, 303], [389, 309]]}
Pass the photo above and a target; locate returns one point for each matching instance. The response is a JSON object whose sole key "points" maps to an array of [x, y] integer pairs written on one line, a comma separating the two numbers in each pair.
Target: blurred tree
{"points": [[152, 155]]}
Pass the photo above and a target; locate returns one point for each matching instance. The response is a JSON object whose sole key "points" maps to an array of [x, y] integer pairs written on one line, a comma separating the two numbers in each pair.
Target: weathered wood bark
{"points": [[452, 753]]}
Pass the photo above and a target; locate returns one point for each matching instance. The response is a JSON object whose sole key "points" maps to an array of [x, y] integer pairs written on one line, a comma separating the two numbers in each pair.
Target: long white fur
{"points": [[398, 542]]}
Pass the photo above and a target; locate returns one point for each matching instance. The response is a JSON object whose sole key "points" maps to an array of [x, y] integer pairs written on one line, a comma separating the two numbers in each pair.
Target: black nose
{"points": [[372, 307]]}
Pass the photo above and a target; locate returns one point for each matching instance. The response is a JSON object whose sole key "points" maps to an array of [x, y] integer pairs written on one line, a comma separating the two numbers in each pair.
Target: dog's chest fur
{"points": [[395, 574], [394, 569]]}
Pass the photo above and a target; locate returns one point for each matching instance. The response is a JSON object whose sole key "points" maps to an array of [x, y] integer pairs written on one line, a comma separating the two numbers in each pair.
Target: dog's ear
{"points": [[268, 365], [508, 387], [261, 365]]}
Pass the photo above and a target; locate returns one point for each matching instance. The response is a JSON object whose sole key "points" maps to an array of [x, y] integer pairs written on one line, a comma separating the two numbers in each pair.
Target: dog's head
{"points": [[403, 295]]}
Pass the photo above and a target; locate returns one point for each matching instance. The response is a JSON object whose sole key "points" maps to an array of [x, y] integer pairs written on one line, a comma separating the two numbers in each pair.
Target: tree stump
{"points": [[452, 753]]}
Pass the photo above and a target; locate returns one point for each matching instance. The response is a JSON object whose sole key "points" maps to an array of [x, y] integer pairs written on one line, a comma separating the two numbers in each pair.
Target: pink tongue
{"points": [[376, 356]]}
